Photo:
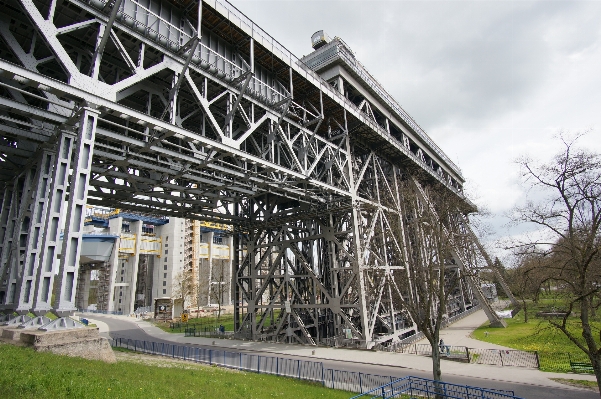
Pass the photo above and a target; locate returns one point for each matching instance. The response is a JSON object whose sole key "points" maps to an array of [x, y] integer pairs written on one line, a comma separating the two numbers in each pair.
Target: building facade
{"points": [[133, 259]]}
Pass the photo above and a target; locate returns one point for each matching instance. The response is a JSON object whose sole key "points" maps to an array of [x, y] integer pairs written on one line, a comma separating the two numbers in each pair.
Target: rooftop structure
{"points": [[336, 63]]}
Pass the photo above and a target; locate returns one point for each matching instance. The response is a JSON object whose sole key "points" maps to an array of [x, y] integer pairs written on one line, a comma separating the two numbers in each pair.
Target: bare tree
{"points": [[219, 284], [526, 281], [184, 287], [567, 215], [425, 225]]}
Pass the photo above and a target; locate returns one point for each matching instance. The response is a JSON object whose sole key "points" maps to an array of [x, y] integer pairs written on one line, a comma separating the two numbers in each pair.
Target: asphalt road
{"points": [[126, 329]]}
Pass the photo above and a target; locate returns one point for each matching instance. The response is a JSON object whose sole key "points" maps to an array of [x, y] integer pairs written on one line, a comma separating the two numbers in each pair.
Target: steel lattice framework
{"points": [[188, 109]]}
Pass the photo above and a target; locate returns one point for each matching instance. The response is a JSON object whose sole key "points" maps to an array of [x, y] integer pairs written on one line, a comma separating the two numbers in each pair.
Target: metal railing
{"points": [[350, 60], [225, 69], [460, 316], [207, 332], [100, 311], [401, 346], [342, 342], [300, 369], [237, 18], [422, 387], [494, 357]]}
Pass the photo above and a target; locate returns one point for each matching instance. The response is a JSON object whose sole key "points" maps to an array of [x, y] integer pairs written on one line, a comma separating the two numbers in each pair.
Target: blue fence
{"points": [[425, 388], [300, 369], [100, 311]]}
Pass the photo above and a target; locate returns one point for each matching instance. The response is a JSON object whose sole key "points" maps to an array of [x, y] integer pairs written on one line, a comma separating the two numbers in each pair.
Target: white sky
{"points": [[488, 80]]}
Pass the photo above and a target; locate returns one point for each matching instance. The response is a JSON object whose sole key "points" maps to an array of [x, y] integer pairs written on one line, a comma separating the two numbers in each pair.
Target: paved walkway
{"points": [[457, 334]]}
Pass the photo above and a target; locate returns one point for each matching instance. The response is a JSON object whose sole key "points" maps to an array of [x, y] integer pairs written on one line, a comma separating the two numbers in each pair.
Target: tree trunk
{"points": [[525, 311], [593, 354], [436, 371]]}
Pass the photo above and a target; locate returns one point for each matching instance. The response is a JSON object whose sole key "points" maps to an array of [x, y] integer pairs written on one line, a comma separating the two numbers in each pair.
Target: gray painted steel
{"points": [[188, 109]]}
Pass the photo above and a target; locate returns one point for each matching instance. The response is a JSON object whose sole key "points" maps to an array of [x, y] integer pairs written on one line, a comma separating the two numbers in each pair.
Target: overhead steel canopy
{"points": [[188, 109]]}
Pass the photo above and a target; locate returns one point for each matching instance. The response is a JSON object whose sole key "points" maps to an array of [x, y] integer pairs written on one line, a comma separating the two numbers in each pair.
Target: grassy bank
{"points": [[28, 374], [554, 348]]}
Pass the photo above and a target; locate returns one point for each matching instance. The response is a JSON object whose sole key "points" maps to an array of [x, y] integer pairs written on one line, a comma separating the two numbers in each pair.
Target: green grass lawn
{"points": [[592, 385], [201, 322], [28, 374], [537, 335]]}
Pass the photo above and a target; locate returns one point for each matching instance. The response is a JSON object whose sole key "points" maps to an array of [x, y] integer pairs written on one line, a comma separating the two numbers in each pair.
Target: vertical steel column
{"points": [[26, 278], [236, 292], [46, 265], [210, 236], [5, 213], [358, 264], [230, 243], [130, 299], [14, 257], [115, 227], [78, 196]]}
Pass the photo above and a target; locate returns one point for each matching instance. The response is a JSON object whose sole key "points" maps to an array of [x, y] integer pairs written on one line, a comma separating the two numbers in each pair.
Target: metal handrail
{"points": [[244, 23], [300, 369], [374, 84], [268, 41], [439, 389]]}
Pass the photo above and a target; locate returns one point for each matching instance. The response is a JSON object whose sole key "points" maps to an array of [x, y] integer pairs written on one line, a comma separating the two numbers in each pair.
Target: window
{"points": [[166, 251], [165, 267], [164, 283], [121, 279], [164, 275], [166, 245], [164, 292]]}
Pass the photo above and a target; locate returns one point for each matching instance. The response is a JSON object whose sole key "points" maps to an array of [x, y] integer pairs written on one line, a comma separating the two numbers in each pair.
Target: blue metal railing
{"points": [[425, 388], [301, 369], [99, 311]]}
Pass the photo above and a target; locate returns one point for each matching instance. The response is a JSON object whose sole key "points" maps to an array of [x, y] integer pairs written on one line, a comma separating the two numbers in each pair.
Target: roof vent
{"points": [[319, 39]]}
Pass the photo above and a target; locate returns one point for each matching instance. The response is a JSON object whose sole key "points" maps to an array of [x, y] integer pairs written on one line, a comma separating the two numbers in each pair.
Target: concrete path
{"points": [[456, 335]]}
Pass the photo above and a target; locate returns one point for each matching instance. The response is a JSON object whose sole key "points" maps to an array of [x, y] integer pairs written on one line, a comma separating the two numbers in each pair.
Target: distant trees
{"points": [[526, 281], [214, 283], [565, 206], [184, 287], [220, 284]]}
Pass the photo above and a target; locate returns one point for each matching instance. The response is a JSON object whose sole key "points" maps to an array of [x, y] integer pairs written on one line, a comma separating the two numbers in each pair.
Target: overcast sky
{"points": [[489, 81]]}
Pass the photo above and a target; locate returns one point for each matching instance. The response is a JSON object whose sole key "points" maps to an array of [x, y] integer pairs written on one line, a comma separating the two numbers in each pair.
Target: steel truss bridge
{"points": [[188, 109]]}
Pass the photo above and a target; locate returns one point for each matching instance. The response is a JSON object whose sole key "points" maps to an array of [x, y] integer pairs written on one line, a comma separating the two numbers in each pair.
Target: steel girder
{"points": [[197, 113]]}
